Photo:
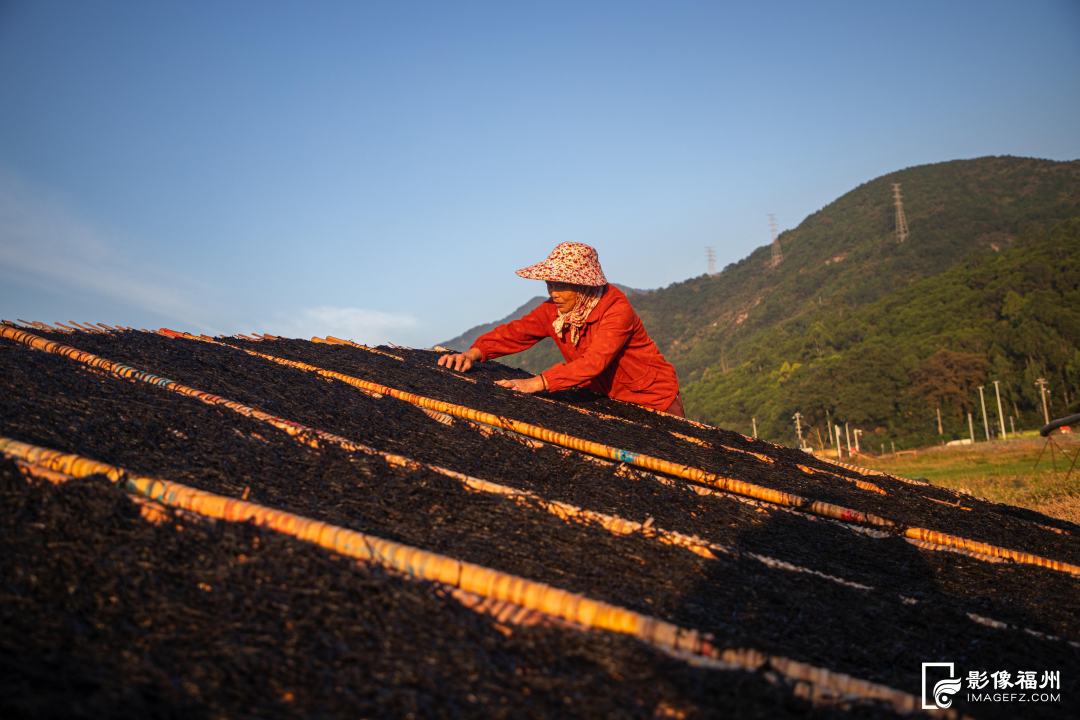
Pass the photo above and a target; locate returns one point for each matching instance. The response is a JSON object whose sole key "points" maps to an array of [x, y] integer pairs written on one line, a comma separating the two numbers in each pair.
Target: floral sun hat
{"points": [[569, 262]]}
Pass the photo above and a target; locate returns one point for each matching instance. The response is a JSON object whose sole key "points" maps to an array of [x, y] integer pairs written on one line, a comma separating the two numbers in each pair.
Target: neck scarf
{"points": [[588, 297]]}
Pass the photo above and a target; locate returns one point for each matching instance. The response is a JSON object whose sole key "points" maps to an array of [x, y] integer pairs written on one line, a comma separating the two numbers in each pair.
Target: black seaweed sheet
{"points": [[871, 634]]}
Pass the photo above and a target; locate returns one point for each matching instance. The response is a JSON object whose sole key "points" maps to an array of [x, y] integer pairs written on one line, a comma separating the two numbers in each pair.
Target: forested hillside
{"points": [[1012, 316], [842, 260]]}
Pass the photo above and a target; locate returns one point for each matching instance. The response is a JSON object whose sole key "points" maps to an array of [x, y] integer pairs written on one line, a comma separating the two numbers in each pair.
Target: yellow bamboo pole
{"points": [[331, 340], [763, 458], [861, 470], [855, 468], [737, 487], [507, 591], [369, 548]]}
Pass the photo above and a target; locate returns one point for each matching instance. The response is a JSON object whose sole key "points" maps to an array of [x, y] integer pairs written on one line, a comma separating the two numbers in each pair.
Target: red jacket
{"points": [[614, 355]]}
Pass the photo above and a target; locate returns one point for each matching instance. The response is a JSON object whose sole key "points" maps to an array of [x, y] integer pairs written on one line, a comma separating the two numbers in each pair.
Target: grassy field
{"points": [[1000, 471]]}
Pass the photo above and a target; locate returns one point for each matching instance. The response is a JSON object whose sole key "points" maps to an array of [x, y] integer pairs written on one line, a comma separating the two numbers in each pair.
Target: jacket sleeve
{"points": [[515, 336], [613, 332]]}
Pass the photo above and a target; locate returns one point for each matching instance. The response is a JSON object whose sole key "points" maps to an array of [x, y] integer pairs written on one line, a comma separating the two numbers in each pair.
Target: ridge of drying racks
{"points": [[787, 500]]}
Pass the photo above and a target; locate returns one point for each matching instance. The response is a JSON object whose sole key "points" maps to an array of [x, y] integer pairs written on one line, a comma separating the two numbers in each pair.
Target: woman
{"points": [[599, 335]]}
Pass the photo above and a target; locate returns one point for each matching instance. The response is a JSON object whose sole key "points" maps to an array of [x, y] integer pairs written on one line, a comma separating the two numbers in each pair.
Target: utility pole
{"points": [[777, 253], [754, 420], [1041, 382], [798, 427], [971, 428], [1001, 415], [711, 255], [901, 221], [983, 401], [939, 432]]}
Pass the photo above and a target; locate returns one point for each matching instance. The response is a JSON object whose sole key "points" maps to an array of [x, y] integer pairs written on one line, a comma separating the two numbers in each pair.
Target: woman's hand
{"points": [[528, 385], [461, 361]]}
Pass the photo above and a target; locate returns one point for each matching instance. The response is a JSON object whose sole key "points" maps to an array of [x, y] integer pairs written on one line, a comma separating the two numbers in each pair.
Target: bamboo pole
{"points": [[738, 487], [361, 546], [331, 340], [763, 458], [867, 471], [683, 643]]}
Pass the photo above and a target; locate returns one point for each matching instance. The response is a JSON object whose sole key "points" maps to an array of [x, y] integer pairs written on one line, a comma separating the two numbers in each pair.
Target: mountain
{"points": [[845, 255], [465, 340], [890, 367]]}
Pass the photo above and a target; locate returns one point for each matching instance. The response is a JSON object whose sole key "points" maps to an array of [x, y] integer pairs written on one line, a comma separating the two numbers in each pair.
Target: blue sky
{"points": [[379, 170]]}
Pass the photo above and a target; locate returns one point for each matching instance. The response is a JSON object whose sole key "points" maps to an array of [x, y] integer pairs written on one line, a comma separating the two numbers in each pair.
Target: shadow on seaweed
{"points": [[877, 635]]}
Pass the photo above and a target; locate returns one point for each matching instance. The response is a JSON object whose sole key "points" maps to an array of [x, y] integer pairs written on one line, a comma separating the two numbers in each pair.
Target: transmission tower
{"points": [[777, 253], [901, 221], [711, 255]]}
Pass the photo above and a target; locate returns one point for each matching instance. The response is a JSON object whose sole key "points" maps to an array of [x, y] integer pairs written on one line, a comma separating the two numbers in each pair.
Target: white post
{"points": [[1001, 415], [839, 445], [971, 428], [857, 433], [754, 420], [939, 432], [983, 401], [1012, 424], [893, 443], [848, 435]]}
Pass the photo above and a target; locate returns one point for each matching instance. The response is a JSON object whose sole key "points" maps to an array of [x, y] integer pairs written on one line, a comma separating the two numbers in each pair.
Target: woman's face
{"points": [[565, 295]]}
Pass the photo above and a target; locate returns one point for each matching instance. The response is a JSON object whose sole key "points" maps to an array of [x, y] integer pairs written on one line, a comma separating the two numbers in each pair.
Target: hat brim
{"points": [[550, 272]]}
